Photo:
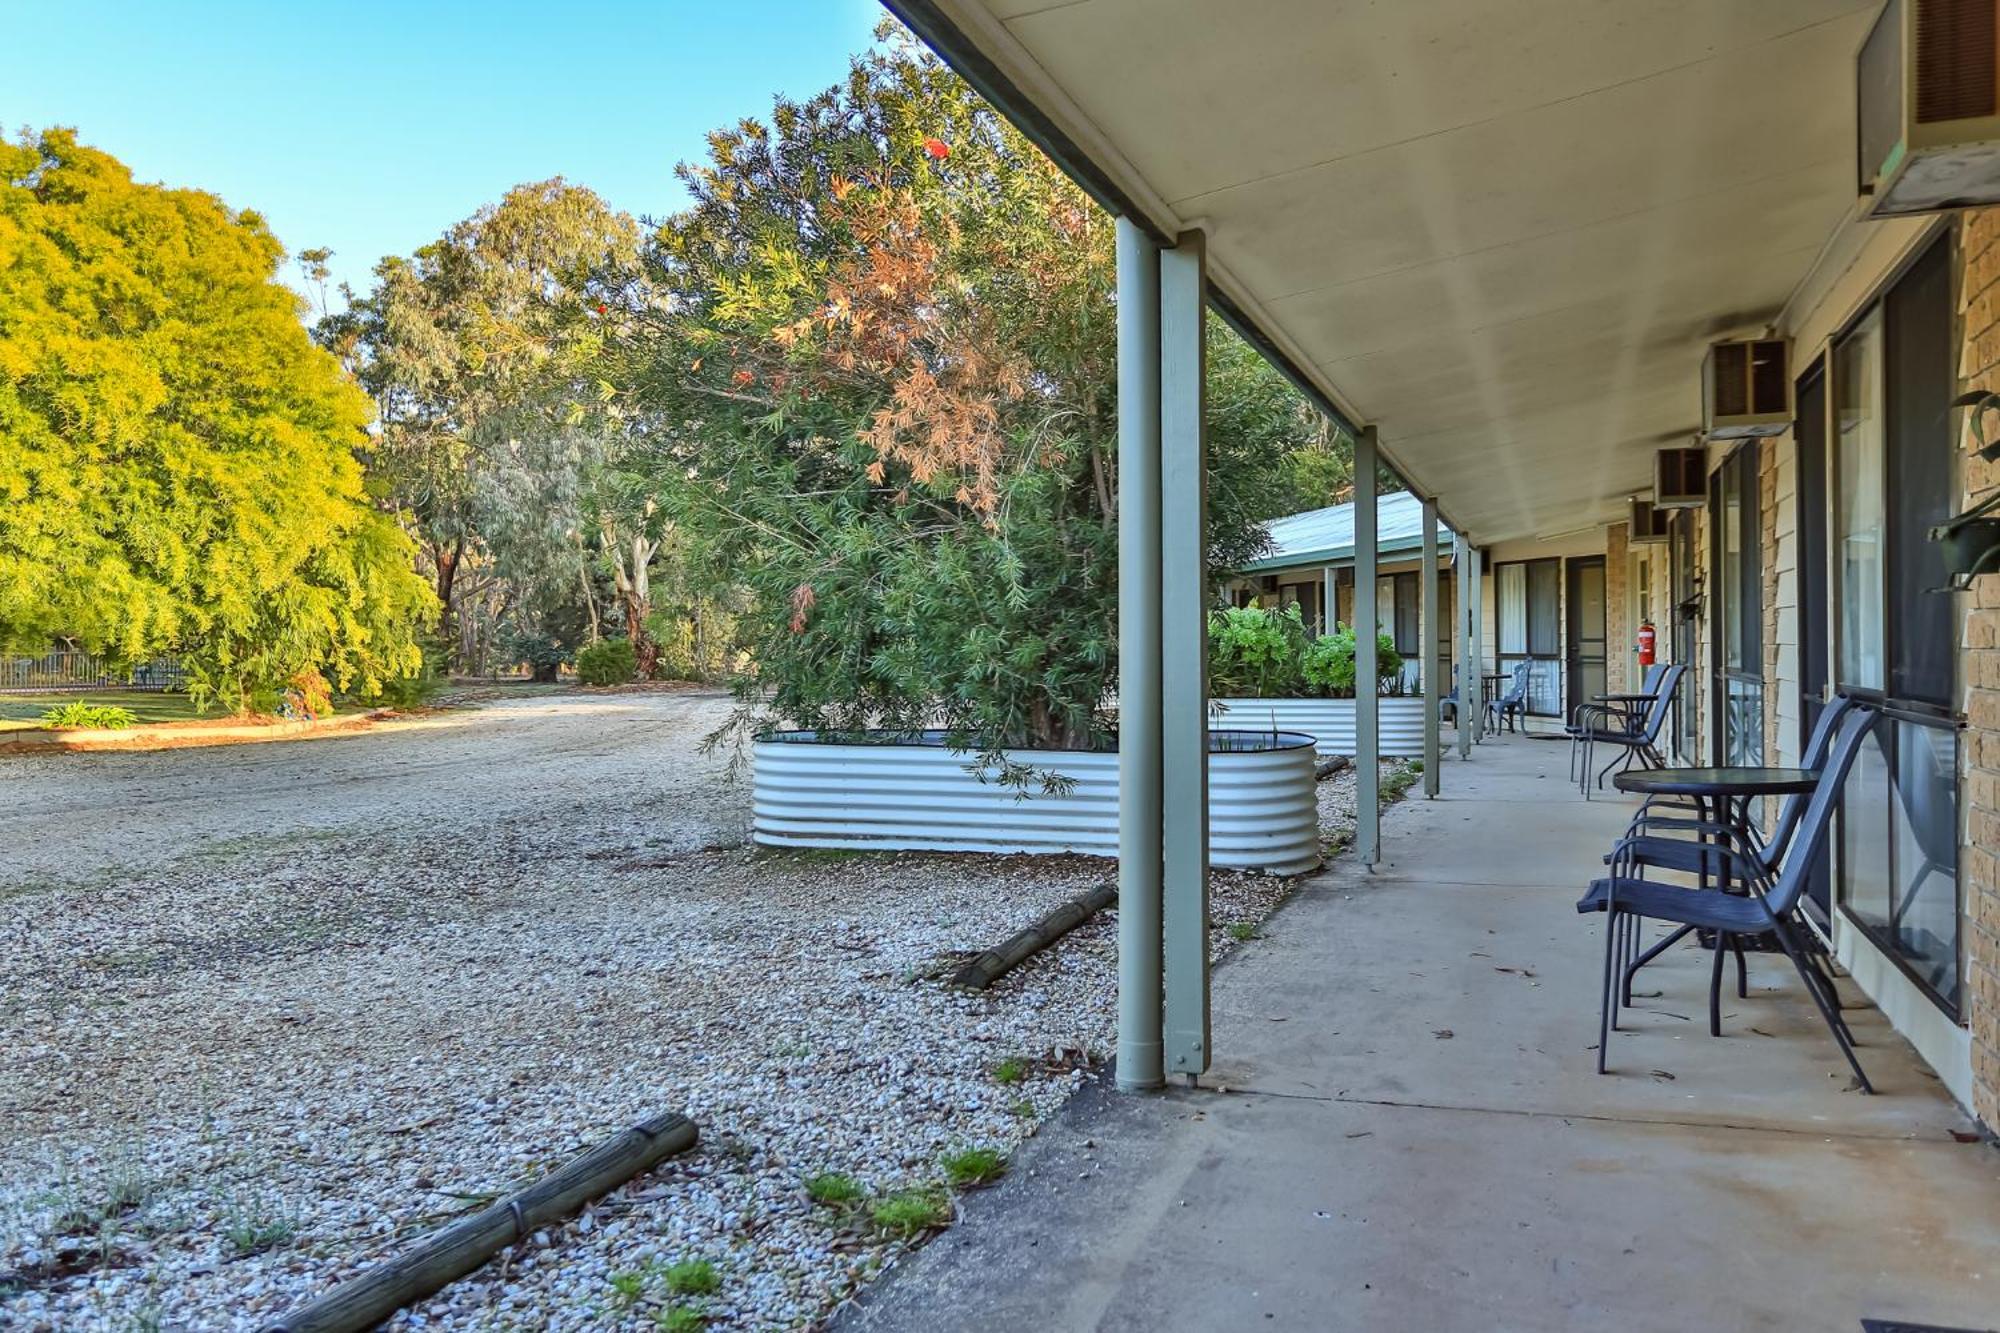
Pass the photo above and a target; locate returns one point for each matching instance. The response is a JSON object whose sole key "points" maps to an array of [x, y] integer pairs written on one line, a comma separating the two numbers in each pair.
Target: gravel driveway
{"points": [[271, 1010]]}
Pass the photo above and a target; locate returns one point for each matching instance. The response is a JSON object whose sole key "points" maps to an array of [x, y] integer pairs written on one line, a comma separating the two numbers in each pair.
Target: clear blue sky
{"points": [[370, 126]]}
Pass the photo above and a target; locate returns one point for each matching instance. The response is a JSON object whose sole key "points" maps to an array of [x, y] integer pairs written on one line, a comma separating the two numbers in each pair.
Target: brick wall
{"points": [[1979, 368]]}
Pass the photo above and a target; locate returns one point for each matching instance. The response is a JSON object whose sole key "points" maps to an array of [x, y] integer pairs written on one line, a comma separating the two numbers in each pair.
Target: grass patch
{"points": [[252, 1225], [1023, 1108], [831, 1188], [1011, 1070], [626, 1289], [693, 1277], [25, 712], [911, 1212], [681, 1319], [1242, 930], [974, 1166], [1398, 781]]}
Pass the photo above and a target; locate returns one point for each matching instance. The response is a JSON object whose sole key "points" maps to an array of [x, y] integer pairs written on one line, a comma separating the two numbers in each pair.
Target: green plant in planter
{"points": [[1327, 663], [1255, 653]]}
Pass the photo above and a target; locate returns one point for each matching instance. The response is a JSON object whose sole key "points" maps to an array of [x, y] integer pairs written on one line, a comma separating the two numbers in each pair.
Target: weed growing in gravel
{"points": [[693, 1277], [1010, 1070], [681, 1319], [974, 1166], [1024, 1109], [831, 1188], [907, 1213], [1398, 781], [253, 1224], [81, 1207], [626, 1289], [1242, 930]]}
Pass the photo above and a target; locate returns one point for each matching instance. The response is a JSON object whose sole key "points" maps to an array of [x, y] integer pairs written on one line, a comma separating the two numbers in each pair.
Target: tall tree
{"points": [[881, 383], [181, 465], [481, 352]]}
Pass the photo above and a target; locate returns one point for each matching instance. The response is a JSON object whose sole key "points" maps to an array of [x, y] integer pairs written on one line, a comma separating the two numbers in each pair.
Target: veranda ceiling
{"points": [[1502, 232]]}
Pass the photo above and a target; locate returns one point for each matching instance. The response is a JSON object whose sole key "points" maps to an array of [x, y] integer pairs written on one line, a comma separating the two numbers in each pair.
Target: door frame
{"points": [[1572, 652]]}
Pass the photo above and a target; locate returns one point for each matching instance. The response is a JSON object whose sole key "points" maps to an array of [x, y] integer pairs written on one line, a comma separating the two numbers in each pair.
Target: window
{"points": [[1408, 612], [1896, 870], [1858, 515], [1528, 625], [1739, 608]]}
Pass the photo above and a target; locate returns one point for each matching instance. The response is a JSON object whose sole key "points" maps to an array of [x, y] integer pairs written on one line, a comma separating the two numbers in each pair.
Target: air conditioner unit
{"points": [[1927, 85], [1680, 479], [1746, 389], [1648, 523]]}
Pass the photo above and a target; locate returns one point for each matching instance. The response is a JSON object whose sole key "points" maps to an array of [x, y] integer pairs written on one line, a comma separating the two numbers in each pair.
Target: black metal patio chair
{"points": [[1765, 908], [1637, 737], [1607, 713], [1510, 707], [1722, 849]]}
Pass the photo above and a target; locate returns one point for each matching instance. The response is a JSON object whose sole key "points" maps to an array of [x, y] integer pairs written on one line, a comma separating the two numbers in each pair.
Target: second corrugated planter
{"points": [[1330, 722], [910, 791]]}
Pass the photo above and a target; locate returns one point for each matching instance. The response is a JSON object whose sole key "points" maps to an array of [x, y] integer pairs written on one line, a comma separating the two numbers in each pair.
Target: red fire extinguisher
{"points": [[1646, 643]]}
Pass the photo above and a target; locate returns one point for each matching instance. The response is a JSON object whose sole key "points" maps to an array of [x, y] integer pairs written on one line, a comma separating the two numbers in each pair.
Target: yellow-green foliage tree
{"points": [[180, 466]]}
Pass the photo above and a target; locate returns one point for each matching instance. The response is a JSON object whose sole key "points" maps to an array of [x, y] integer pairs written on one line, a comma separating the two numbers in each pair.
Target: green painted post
{"points": [[1478, 676], [1139, 768], [1367, 702], [1184, 650], [1430, 672], [1469, 681]]}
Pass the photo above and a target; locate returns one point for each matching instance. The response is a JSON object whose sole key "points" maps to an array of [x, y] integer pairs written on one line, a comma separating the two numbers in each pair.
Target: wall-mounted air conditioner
{"points": [[1746, 389], [1680, 479], [1927, 86], [1648, 523]]}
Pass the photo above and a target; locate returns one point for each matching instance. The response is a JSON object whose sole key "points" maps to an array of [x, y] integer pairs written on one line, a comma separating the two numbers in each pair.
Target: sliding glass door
{"points": [[1737, 560], [1893, 472]]}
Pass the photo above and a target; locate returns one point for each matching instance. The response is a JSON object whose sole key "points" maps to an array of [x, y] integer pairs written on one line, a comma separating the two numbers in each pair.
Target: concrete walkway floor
{"points": [[1405, 1130]]}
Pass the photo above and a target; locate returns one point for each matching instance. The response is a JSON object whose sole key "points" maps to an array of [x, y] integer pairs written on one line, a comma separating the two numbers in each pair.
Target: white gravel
{"points": [[271, 1011]]}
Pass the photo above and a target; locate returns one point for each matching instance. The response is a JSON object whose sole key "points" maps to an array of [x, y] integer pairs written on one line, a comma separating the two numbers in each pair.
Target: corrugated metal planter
{"points": [[912, 793], [1330, 722]]}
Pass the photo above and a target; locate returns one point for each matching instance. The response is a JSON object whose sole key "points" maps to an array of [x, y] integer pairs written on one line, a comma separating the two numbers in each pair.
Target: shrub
{"points": [[542, 654], [1255, 653], [1327, 664], [78, 713], [608, 662], [309, 695]]}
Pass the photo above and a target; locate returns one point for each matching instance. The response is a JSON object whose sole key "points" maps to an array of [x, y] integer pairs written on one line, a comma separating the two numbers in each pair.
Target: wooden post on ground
{"points": [[989, 967], [453, 1251]]}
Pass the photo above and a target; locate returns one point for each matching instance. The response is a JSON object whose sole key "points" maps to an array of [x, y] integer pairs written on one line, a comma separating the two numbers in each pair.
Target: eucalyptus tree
{"points": [[481, 350]]}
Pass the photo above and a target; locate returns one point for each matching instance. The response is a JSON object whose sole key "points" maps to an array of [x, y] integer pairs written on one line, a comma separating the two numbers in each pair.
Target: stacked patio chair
{"points": [[1635, 736], [1607, 716], [1511, 706], [1773, 879]]}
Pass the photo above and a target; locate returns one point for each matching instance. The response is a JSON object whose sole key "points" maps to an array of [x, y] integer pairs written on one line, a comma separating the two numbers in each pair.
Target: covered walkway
{"points": [[1404, 1130]]}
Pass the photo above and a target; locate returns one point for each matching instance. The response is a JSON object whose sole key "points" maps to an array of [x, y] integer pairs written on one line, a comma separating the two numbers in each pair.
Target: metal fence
{"points": [[66, 670]]}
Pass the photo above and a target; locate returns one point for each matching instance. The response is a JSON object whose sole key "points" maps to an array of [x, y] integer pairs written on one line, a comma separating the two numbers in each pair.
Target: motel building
{"points": [[1680, 317]]}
